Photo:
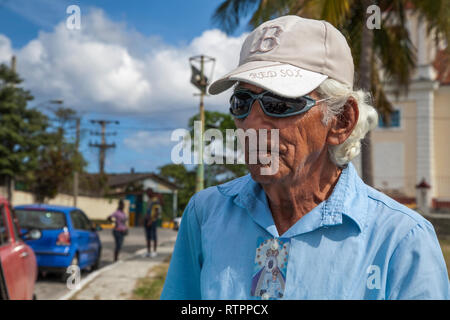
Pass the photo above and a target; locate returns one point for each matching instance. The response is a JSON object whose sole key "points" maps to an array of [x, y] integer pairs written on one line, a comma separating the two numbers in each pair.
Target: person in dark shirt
{"points": [[151, 222]]}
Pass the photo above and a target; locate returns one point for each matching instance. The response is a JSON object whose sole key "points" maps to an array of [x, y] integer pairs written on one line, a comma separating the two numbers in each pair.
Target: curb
{"points": [[96, 273], [88, 279]]}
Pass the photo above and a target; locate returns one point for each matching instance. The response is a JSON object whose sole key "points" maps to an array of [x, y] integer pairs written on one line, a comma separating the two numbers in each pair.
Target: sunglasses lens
{"points": [[278, 106], [240, 104]]}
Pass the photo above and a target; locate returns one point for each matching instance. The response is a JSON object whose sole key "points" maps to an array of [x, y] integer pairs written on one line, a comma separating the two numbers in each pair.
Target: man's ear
{"points": [[343, 124]]}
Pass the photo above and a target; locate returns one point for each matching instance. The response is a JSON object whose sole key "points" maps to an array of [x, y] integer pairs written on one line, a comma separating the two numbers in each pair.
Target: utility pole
{"points": [[10, 182], [103, 146], [63, 118], [200, 185], [199, 80], [13, 63], [76, 173]]}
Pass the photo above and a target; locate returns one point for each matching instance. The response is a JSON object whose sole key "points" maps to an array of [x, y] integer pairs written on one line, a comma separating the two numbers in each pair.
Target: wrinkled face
{"points": [[302, 138]]}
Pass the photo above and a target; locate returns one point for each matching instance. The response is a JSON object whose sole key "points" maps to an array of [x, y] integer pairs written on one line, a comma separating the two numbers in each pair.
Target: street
{"points": [[51, 287]]}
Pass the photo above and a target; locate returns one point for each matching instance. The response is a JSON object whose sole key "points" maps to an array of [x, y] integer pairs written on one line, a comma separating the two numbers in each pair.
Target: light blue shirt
{"points": [[357, 244]]}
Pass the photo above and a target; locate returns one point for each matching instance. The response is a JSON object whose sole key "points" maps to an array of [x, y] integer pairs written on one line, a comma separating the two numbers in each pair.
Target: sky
{"points": [[129, 62]]}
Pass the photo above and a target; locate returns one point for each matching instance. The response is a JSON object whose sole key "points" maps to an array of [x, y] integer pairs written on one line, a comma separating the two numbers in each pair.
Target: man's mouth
{"points": [[256, 156], [263, 152]]}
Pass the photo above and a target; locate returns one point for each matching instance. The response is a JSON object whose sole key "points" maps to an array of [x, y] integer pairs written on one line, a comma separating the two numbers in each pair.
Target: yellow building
{"points": [[416, 145]]}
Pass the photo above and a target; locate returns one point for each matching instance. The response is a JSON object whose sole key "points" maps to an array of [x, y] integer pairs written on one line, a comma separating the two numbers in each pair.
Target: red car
{"points": [[18, 266]]}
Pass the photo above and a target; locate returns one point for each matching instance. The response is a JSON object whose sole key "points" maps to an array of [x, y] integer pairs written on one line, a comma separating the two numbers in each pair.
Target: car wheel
{"points": [[97, 261], [74, 262]]}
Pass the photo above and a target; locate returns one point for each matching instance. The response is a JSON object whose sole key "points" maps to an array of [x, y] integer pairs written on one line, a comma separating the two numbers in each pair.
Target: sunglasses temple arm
{"points": [[321, 100]]}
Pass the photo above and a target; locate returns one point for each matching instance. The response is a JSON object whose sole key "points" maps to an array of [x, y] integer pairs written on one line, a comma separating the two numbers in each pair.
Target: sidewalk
{"points": [[117, 281]]}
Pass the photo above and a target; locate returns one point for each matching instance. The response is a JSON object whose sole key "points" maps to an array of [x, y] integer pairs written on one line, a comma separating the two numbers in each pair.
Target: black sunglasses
{"points": [[242, 100]]}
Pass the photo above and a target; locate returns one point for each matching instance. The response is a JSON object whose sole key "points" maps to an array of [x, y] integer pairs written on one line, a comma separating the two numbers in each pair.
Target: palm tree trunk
{"points": [[365, 83]]}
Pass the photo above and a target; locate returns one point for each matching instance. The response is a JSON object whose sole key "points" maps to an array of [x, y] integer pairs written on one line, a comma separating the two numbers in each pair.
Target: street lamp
{"points": [[200, 81]]}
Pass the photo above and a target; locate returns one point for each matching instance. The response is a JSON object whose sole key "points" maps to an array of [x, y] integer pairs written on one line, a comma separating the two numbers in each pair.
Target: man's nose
{"points": [[257, 119]]}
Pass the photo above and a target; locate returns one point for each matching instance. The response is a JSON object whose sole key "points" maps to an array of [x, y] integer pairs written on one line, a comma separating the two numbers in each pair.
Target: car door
{"points": [[93, 238], [81, 237], [12, 256], [28, 258]]}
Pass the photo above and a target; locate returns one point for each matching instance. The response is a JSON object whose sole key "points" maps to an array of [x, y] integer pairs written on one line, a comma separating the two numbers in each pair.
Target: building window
{"points": [[394, 120]]}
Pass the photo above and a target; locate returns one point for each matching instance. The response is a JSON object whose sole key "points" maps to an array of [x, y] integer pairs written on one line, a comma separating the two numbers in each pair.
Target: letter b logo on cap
{"points": [[268, 40]]}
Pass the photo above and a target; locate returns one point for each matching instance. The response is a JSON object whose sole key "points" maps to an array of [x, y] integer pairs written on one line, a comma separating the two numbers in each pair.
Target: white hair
{"points": [[338, 95]]}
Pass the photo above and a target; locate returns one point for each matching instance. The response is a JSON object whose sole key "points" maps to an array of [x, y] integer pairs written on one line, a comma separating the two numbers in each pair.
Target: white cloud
{"points": [[5, 49], [107, 67]]}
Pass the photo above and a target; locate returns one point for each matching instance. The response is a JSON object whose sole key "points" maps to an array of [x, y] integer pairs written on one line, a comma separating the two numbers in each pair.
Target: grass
{"points": [[150, 287], [445, 246]]}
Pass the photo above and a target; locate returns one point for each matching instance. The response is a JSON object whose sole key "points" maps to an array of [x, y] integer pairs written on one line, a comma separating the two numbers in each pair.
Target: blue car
{"points": [[68, 237]]}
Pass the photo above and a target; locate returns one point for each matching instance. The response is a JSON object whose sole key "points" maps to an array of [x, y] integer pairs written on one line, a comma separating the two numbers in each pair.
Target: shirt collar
{"points": [[348, 198]]}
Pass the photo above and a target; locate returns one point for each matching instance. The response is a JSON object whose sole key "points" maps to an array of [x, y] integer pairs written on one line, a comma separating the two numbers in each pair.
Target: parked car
{"points": [[68, 237], [18, 266]]}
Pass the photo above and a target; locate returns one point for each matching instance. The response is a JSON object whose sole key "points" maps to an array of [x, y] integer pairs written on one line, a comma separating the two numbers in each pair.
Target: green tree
{"points": [[222, 122], [388, 49], [57, 160], [54, 170], [22, 130], [184, 179]]}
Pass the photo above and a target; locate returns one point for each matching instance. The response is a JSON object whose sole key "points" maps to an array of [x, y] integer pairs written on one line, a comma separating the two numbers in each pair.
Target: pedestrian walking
{"points": [[151, 222], [120, 228]]}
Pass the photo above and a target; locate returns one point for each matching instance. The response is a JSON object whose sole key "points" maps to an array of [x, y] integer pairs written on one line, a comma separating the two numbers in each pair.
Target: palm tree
{"points": [[372, 49]]}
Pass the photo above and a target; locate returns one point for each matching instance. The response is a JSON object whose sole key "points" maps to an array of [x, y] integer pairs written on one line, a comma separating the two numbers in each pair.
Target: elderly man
{"points": [[311, 229]]}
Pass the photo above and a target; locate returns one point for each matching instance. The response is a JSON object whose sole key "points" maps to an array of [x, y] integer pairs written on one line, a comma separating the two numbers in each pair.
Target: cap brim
{"points": [[282, 79]]}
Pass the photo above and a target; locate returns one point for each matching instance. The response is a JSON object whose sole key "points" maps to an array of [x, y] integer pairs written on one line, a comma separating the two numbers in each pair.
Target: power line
{"points": [[148, 129], [128, 129], [139, 113]]}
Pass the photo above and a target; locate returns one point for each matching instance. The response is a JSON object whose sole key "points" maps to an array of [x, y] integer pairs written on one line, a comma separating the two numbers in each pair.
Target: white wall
{"points": [[95, 208], [389, 170]]}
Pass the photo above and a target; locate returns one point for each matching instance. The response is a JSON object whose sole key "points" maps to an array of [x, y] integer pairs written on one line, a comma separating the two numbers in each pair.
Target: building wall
{"points": [[95, 208], [156, 186], [394, 152], [442, 142], [395, 149]]}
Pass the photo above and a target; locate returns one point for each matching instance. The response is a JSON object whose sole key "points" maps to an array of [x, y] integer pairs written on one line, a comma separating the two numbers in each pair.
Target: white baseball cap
{"points": [[291, 56]]}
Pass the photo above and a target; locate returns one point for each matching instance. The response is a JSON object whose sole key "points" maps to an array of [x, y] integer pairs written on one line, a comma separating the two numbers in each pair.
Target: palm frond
{"points": [[335, 12], [380, 100], [394, 48], [229, 14], [437, 15], [307, 8], [269, 9]]}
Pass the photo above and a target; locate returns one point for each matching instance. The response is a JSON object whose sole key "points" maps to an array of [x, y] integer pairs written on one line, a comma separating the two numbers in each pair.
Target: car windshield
{"points": [[41, 219]]}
